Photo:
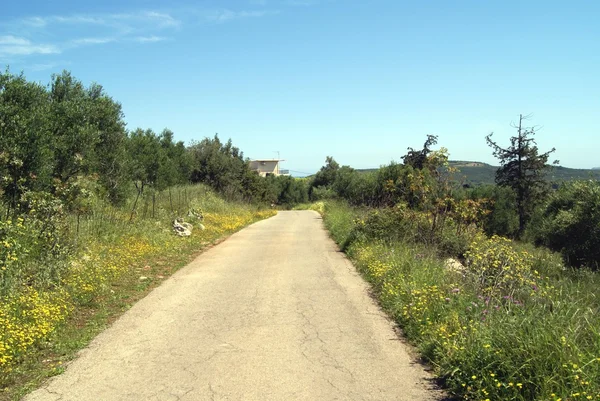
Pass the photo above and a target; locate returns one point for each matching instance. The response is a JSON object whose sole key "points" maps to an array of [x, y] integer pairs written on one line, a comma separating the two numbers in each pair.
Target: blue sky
{"points": [[358, 80]]}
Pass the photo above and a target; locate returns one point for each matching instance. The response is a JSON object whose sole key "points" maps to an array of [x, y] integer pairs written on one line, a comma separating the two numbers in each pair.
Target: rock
{"points": [[454, 265], [182, 228]]}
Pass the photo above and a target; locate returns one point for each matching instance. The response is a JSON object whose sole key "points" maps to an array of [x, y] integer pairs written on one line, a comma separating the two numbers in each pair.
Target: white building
{"points": [[266, 167]]}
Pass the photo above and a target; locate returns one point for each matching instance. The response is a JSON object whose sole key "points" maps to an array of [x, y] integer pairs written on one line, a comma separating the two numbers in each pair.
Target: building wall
{"points": [[264, 167]]}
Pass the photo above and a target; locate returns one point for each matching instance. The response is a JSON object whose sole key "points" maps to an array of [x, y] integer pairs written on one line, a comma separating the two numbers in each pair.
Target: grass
{"points": [[513, 325], [114, 263]]}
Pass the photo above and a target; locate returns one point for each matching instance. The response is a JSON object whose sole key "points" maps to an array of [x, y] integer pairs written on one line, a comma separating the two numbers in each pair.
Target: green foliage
{"points": [[503, 218], [290, 191], [156, 160], [38, 237], [322, 193], [26, 155], [220, 165], [447, 234], [418, 159], [511, 325], [88, 134], [326, 176], [523, 170], [499, 270], [340, 221], [571, 223], [60, 132]]}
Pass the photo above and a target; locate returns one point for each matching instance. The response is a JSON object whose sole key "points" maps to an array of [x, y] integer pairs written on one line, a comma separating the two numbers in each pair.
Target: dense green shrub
{"points": [[322, 193], [35, 246], [402, 224], [288, 191], [503, 218], [571, 223]]}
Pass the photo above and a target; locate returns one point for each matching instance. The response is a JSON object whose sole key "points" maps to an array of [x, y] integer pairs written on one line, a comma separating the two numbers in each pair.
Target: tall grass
{"points": [[513, 325]]}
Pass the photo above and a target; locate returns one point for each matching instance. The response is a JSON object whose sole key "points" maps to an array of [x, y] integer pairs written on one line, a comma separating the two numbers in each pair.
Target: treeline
{"points": [[64, 139], [65, 142], [424, 199]]}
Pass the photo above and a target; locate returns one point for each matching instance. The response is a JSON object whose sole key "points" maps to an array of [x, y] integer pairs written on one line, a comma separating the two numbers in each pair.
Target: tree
{"points": [[88, 134], [108, 158], [571, 223], [523, 169], [220, 165], [327, 174], [174, 163], [417, 159], [26, 157], [324, 179]]}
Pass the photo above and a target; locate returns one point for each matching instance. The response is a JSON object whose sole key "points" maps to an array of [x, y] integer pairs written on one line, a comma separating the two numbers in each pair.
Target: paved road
{"points": [[273, 313]]}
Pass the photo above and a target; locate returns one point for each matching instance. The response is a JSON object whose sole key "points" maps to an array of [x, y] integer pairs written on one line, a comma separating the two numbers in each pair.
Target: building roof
{"points": [[267, 160]]}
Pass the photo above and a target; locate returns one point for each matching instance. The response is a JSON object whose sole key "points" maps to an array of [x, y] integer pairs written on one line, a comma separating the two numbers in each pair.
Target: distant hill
{"points": [[478, 173]]}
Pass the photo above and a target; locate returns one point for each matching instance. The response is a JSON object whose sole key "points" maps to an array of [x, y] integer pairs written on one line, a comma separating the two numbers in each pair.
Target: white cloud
{"points": [[118, 23], [77, 19], [164, 20], [42, 67], [13, 41], [300, 2], [19, 36], [149, 39], [228, 15], [37, 22], [16, 46], [92, 41]]}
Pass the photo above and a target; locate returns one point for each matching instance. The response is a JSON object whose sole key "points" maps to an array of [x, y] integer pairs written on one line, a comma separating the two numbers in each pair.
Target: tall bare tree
{"points": [[523, 169]]}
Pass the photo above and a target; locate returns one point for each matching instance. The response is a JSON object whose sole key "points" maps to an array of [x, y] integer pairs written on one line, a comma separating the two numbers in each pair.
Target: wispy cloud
{"points": [[132, 20], [149, 39], [17, 46], [19, 37], [226, 15], [28, 36], [42, 67], [164, 20], [92, 41], [13, 41], [301, 2]]}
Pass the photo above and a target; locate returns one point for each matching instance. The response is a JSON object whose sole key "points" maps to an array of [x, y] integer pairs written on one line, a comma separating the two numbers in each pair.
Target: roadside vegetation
{"points": [[86, 216], [496, 288]]}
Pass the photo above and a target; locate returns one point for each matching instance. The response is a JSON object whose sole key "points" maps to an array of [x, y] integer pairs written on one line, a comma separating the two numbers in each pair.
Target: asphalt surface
{"points": [[275, 312]]}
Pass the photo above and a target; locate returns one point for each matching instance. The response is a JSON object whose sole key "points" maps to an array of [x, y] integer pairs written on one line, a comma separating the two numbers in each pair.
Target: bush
{"points": [[503, 219], [39, 237], [499, 270], [571, 223], [402, 224], [288, 191], [322, 193]]}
